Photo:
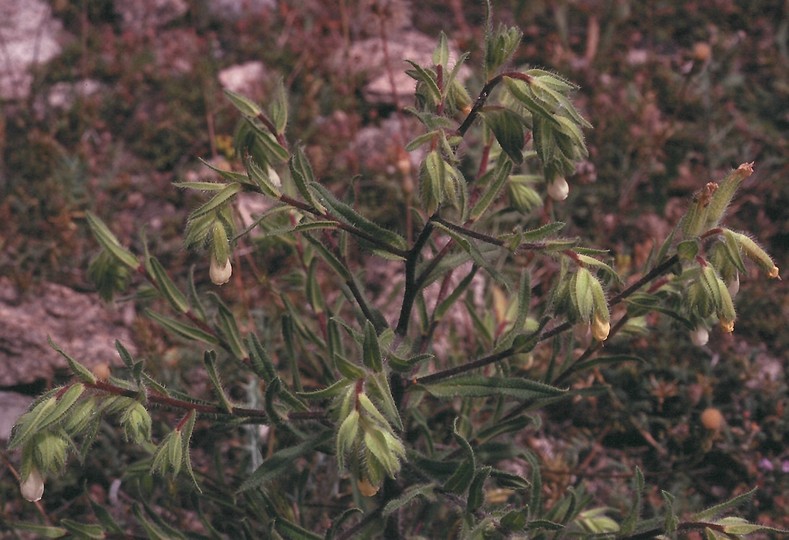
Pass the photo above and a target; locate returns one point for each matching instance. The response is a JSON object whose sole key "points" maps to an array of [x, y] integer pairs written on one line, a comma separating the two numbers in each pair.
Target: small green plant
{"points": [[371, 427]]}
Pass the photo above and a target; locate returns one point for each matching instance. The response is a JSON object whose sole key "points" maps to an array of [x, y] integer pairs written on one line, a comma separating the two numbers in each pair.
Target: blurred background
{"points": [[106, 102]]}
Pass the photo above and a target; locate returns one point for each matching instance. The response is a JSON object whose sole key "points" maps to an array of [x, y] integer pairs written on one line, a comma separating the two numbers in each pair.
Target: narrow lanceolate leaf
{"points": [[184, 330], [715, 511], [379, 387], [83, 373], [261, 178], [351, 217], [167, 287], [110, 243], [462, 477], [209, 360], [229, 328], [231, 176], [282, 460], [245, 106], [330, 391], [479, 386], [476, 493], [301, 172], [409, 495], [201, 186], [500, 175], [279, 106], [62, 406], [260, 360], [371, 349], [291, 531], [217, 200]]}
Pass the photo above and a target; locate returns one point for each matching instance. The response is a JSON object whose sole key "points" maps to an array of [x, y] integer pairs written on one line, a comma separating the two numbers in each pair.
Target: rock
{"points": [[12, 405], [246, 79], [367, 58], [29, 36], [236, 9], [142, 15], [79, 323]]}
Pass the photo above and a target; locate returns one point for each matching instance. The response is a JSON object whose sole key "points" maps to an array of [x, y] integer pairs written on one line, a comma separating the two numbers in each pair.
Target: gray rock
{"points": [[368, 59], [29, 35], [79, 323], [236, 9], [12, 405], [141, 15], [246, 79]]}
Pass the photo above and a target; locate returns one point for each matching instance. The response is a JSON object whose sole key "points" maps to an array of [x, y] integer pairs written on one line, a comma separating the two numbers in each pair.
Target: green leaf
{"points": [[110, 243], [231, 176], [245, 106], [261, 178], [481, 386], [201, 186], [229, 329], [83, 373], [631, 519], [167, 287], [351, 217], [209, 360], [184, 330], [330, 258], [378, 385], [476, 492], [523, 93], [371, 353], [441, 53], [282, 460], [714, 511], [408, 496], [422, 75], [260, 360], [301, 172], [217, 200], [500, 174], [330, 391], [291, 531], [82, 530], [463, 475], [688, 249], [279, 106], [508, 128], [41, 531]]}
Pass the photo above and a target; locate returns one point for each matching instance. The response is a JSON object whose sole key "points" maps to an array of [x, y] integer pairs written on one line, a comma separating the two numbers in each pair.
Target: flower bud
{"points": [[700, 336], [274, 177], [558, 190], [712, 419], [366, 488], [32, 487], [600, 328], [220, 273]]}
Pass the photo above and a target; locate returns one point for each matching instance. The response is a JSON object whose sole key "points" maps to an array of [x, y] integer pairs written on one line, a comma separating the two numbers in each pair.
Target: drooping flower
{"points": [[220, 273], [600, 328], [32, 487], [558, 190], [700, 336]]}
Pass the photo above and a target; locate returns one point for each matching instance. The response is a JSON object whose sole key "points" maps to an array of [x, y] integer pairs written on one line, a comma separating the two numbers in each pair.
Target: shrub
{"points": [[407, 425]]}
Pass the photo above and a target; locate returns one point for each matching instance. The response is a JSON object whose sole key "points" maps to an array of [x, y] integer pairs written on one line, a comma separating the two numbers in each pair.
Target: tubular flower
{"points": [[600, 328], [32, 487], [558, 190], [220, 273], [700, 336]]}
